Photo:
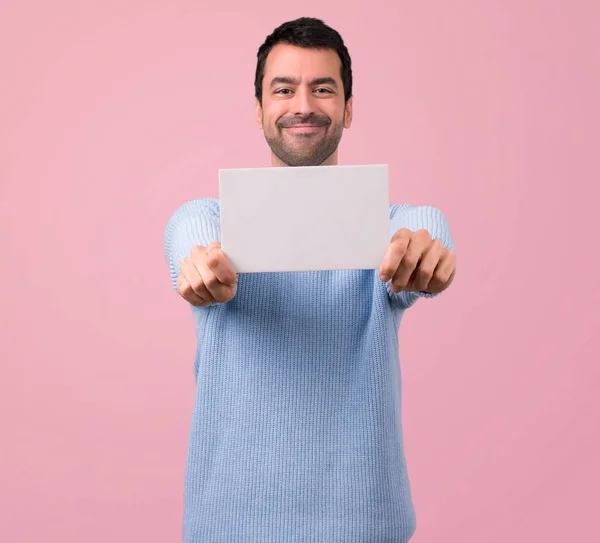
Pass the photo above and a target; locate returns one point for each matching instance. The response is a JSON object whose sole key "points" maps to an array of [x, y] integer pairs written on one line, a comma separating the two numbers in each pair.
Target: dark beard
{"points": [[313, 156]]}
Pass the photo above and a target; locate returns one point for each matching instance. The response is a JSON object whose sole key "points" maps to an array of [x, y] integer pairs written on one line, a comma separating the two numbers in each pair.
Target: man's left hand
{"points": [[416, 263]]}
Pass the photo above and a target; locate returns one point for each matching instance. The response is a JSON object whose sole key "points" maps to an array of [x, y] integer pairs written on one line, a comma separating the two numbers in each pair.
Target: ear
{"points": [[258, 113], [348, 113]]}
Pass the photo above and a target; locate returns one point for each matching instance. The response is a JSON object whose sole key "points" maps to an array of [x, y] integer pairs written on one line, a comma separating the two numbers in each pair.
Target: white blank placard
{"points": [[304, 218]]}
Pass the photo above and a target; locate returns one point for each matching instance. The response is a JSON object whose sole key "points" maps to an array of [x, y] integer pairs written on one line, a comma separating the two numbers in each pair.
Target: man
{"points": [[296, 429]]}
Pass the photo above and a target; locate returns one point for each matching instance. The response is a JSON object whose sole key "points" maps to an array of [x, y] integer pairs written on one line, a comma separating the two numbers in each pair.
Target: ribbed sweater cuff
{"points": [[416, 218], [195, 222]]}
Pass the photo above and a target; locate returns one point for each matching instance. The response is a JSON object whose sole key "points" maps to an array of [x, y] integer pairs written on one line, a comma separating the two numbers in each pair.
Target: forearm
{"points": [[195, 222]]}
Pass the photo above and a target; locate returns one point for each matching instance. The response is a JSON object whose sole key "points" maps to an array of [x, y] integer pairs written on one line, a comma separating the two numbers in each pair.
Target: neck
{"points": [[332, 160]]}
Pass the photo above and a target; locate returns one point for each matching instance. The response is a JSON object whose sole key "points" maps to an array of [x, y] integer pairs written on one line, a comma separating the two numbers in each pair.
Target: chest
{"points": [[342, 299]]}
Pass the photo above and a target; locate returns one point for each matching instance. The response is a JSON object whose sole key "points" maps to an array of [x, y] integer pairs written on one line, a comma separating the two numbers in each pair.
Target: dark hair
{"points": [[305, 32]]}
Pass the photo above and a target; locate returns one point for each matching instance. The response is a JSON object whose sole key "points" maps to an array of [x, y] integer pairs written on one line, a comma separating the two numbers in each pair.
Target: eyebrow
{"points": [[284, 80]]}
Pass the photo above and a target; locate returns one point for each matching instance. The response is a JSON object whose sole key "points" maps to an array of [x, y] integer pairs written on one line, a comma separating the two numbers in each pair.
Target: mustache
{"points": [[315, 120]]}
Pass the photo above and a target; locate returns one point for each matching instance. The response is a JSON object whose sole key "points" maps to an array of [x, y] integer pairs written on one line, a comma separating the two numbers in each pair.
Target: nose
{"points": [[303, 102]]}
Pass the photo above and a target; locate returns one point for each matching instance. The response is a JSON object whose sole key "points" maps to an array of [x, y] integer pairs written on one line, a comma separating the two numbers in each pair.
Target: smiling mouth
{"points": [[304, 128]]}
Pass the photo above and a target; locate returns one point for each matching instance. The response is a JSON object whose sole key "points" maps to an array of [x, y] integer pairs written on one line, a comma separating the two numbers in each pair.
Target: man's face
{"points": [[303, 113]]}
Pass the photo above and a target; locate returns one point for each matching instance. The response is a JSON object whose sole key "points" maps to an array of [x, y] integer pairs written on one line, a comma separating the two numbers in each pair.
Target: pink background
{"points": [[114, 113]]}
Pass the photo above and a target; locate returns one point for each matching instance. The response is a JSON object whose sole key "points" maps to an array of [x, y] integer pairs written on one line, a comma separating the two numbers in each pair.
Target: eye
{"points": [[282, 91], [325, 91]]}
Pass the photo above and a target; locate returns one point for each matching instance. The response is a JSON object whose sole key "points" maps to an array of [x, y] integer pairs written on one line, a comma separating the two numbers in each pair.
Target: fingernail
{"points": [[385, 278]]}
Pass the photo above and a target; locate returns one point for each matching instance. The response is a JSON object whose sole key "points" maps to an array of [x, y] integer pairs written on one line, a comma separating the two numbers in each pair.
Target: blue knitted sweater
{"points": [[296, 432]]}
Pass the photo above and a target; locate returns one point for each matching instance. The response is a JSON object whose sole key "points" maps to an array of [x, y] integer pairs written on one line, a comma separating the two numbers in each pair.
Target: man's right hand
{"points": [[206, 276]]}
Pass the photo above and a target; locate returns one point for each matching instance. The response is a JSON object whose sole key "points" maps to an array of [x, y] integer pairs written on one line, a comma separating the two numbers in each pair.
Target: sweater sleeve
{"points": [[415, 218], [196, 222]]}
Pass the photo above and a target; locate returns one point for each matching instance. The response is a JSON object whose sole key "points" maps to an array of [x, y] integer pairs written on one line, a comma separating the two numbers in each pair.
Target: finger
{"points": [[218, 291], [408, 264], [394, 255], [219, 265], [195, 279], [444, 272], [186, 290], [424, 272]]}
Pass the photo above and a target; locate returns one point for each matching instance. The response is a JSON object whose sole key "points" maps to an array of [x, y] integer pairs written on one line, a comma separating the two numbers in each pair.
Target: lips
{"points": [[304, 128]]}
